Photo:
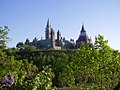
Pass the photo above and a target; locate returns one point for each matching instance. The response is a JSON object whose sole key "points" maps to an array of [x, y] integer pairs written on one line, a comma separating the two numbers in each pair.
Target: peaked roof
{"points": [[48, 23], [83, 29], [58, 31]]}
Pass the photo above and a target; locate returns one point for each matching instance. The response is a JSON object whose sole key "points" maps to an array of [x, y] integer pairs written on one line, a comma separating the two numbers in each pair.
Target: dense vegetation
{"points": [[92, 68]]}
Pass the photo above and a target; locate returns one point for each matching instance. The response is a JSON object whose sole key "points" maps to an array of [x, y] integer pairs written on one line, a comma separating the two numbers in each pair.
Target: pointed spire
{"points": [[48, 30], [48, 23], [83, 29], [58, 31]]}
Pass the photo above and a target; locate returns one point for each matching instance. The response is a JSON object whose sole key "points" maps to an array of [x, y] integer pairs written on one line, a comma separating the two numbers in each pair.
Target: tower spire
{"points": [[48, 30], [48, 23], [83, 29]]}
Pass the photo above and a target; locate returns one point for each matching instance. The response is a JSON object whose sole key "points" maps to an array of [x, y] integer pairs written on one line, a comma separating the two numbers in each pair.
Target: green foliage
{"points": [[39, 81], [20, 45], [30, 48], [27, 76], [3, 36], [66, 77], [92, 68]]}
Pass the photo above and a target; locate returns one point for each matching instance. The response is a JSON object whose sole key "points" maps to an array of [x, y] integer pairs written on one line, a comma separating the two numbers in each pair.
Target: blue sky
{"points": [[28, 18]]}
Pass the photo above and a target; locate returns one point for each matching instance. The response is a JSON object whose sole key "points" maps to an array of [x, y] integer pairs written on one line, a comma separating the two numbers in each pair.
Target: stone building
{"points": [[83, 38], [60, 42]]}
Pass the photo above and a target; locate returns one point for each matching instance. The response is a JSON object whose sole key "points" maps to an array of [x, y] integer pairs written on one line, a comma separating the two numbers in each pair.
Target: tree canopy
{"points": [[4, 36], [96, 67]]}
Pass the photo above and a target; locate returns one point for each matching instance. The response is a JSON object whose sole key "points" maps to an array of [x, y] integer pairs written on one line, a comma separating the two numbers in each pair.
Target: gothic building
{"points": [[59, 43], [83, 38]]}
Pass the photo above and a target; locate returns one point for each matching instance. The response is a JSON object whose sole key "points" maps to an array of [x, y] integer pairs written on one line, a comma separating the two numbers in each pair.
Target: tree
{"points": [[3, 36], [30, 48], [66, 77], [20, 45]]}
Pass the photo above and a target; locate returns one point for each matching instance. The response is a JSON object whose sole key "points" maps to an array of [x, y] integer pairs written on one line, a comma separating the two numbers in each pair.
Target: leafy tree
{"points": [[93, 68], [66, 77], [4, 36], [30, 48], [20, 45]]}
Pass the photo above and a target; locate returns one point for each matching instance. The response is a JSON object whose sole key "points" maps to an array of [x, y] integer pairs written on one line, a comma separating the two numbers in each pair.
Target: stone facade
{"points": [[83, 38], [59, 43]]}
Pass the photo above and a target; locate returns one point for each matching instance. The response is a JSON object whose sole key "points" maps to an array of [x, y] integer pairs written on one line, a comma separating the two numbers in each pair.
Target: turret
{"points": [[27, 42], [35, 40], [58, 35], [52, 38], [83, 38]]}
